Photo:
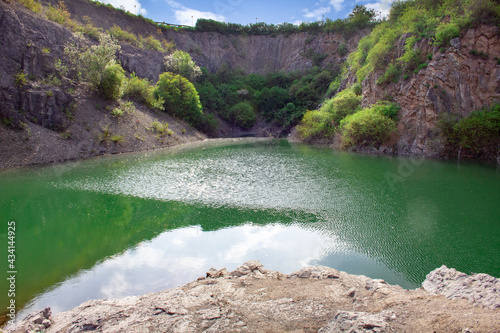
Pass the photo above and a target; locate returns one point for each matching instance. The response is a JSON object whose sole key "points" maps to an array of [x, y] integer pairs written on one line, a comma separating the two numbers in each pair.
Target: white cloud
{"points": [[381, 8], [133, 6], [188, 16], [316, 14], [337, 4]]}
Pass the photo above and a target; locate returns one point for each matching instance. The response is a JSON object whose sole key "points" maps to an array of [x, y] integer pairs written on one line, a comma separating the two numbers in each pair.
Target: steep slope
{"points": [[263, 54], [463, 78], [253, 53], [44, 121]]}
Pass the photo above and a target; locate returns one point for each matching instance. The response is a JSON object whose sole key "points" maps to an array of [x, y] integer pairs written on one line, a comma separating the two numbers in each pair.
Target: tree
{"points": [[361, 16], [180, 97], [180, 62], [243, 115]]}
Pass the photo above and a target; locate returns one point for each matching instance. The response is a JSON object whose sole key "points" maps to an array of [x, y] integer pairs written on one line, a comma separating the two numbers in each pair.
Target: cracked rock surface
{"points": [[314, 299]]}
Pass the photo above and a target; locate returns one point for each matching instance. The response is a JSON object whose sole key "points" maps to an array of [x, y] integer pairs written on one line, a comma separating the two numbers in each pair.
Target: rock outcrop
{"points": [[254, 299], [252, 53], [43, 121], [463, 78], [481, 289]]}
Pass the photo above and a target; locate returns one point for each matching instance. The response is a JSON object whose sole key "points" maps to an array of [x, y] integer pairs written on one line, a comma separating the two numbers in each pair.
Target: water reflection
{"points": [[132, 224], [181, 255]]}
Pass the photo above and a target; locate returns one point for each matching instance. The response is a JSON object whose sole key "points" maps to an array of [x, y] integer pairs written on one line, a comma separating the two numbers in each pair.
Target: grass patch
{"points": [[161, 128]]}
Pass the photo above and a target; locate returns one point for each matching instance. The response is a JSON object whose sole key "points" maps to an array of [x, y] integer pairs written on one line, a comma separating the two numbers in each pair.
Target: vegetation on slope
{"points": [[278, 98], [409, 21], [476, 136], [439, 20]]}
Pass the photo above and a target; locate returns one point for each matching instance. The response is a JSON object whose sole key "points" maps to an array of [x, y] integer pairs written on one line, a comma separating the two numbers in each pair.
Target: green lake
{"points": [[127, 225]]}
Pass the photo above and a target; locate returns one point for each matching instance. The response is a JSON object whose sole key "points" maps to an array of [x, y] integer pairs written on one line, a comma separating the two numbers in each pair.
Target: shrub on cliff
{"points": [[113, 82], [90, 63], [180, 97], [180, 62], [445, 32], [344, 103], [316, 125], [388, 109], [367, 127], [478, 135], [411, 21], [142, 91]]}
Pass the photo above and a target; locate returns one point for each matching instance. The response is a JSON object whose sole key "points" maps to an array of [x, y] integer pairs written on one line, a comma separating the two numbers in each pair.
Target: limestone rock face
{"points": [[358, 322], [466, 77], [22, 40], [263, 53], [480, 289], [254, 299]]}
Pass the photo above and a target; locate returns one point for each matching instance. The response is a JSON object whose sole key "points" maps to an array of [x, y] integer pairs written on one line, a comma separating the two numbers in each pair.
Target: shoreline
{"points": [[313, 299]]}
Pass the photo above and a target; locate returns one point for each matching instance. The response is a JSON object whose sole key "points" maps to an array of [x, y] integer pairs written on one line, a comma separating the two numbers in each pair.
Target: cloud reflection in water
{"points": [[179, 256]]}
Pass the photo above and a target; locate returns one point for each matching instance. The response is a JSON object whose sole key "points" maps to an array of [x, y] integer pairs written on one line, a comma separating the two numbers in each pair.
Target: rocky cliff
{"points": [[253, 53], [37, 114], [44, 121], [314, 299], [263, 54], [463, 78]]}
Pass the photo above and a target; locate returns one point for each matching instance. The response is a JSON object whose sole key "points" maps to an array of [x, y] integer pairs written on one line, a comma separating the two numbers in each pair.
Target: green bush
{"points": [[367, 127], [289, 115], [334, 86], [180, 97], [61, 15], [160, 127], [445, 32], [125, 36], [113, 82], [243, 115], [180, 62], [20, 78], [152, 43], [316, 125], [478, 135], [388, 109], [269, 101], [142, 91], [392, 73], [90, 62], [32, 5], [344, 103], [208, 124], [342, 50]]}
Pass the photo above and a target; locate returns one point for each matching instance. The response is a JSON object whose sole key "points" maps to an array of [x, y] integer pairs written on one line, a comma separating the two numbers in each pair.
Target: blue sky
{"points": [[186, 12]]}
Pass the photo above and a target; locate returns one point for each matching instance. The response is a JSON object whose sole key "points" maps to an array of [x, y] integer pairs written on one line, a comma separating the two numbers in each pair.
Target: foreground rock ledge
{"points": [[254, 299]]}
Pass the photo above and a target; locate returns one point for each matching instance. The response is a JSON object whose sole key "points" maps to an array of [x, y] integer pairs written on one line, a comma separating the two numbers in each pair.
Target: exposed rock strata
{"points": [[466, 77], [254, 299], [43, 123]]}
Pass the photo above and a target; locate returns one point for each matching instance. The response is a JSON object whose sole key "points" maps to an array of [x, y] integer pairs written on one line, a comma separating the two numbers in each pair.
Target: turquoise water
{"points": [[126, 225]]}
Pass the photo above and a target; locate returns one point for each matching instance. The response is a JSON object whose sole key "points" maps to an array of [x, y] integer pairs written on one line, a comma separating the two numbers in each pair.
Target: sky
{"points": [[186, 12]]}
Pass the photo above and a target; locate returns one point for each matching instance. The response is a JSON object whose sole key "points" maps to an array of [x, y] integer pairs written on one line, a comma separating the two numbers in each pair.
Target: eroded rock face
{"points": [[481, 289], [263, 53], [358, 322], [466, 77], [254, 299]]}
